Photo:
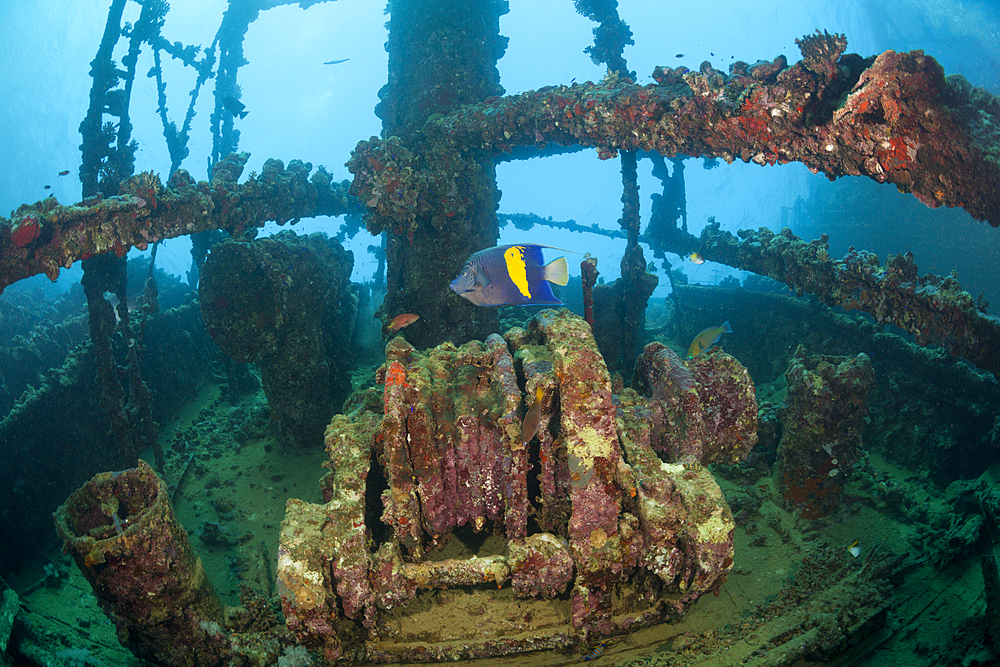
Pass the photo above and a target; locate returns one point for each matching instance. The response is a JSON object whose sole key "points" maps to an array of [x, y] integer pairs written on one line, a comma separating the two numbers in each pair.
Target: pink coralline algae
{"points": [[27, 230], [121, 530], [703, 411], [586, 530]]}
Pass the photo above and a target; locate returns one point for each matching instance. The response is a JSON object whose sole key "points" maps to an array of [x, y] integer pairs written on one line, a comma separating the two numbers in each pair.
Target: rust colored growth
{"points": [[813, 492], [27, 230], [611, 538]]}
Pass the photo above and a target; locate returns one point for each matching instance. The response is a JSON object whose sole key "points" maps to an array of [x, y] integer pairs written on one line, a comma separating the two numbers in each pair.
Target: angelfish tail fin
{"points": [[557, 272]]}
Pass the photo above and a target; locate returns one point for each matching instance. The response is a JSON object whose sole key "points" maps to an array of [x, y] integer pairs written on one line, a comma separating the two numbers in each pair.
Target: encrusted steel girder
{"points": [[46, 236], [933, 309], [893, 118]]}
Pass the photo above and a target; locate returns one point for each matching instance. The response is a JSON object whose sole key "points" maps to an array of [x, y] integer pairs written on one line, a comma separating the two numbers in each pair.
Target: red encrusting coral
{"points": [[27, 230]]}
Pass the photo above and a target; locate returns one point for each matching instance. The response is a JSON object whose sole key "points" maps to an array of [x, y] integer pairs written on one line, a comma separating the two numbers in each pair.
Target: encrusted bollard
{"points": [[702, 411], [121, 530], [822, 422], [274, 301], [435, 508]]}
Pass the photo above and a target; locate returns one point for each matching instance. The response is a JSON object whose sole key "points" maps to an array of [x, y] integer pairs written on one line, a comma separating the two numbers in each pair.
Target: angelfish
{"points": [[707, 339], [235, 107], [510, 275], [532, 418]]}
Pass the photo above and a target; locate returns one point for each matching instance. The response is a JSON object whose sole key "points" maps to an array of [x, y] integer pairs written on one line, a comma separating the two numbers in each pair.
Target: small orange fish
{"points": [[399, 322], [64, 172], [532, 418]]}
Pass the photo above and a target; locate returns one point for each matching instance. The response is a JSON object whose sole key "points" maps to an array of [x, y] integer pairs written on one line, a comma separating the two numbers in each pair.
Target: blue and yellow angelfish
{"points": [[511, 275]]}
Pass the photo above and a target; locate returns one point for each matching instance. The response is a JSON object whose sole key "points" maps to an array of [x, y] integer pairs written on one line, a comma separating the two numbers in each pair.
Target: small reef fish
{"points": [[510, 275], [596, 653], [707, 339], [48, 187], [64, 172], [854, 549], [696, 258], [235, 107], [336, 62], [679, 55], [400, 322], [532, 418]]}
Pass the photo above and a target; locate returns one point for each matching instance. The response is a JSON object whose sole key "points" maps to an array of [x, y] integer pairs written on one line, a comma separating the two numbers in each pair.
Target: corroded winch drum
{"points": [[444, 536]]}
